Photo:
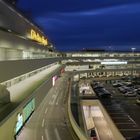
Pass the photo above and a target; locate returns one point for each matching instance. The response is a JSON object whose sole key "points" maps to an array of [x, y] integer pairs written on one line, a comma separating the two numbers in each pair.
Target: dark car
{"points": [[136, 138], [93, 135], [103, 93]]}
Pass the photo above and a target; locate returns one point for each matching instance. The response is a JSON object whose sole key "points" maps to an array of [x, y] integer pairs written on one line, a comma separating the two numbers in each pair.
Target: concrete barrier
{"points": [[78, 131]]}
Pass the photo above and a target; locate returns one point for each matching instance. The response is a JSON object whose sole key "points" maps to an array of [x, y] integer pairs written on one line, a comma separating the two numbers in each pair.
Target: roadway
{"points": [[49, 121]]}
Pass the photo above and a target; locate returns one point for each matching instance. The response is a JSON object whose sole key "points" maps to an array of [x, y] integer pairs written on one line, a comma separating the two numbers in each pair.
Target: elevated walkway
{"points": [[20, 91]]}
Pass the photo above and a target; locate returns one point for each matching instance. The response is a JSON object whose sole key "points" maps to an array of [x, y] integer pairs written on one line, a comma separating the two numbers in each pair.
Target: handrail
{"points": [[22, 77]]}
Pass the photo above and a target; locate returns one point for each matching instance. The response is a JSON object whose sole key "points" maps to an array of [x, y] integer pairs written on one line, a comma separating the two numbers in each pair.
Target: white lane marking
{"points": [[57, 99], [43, 122], [125, 123], [54, 99], [50, 102], [122, 117], [42, 138], [57, 102], [47, 134], [62, 94], [131, 119], [117, 113], [53, 96], [46, 110], [130, 129], [57, 134]]}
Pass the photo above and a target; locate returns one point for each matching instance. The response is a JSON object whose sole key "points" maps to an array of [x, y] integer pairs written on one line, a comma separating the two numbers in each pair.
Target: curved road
{"points": [[49, 121]]}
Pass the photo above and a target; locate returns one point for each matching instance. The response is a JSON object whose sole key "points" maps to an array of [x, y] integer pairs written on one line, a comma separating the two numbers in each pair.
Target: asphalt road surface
{"points": [[124, 112], [49, 121]]}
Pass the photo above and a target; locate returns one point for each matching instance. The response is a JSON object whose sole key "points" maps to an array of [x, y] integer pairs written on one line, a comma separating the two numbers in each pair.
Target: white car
{"points": [[130, 94], [138, 101]]}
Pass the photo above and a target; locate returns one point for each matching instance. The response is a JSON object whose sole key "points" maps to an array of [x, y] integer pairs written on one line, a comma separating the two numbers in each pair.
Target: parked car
{"points": [[93, 135], [129, 84], [124, 89], [136, 137], [138, 91], [103, 93], [97, 86], [130, 94], [117, 84], [138, 101]]}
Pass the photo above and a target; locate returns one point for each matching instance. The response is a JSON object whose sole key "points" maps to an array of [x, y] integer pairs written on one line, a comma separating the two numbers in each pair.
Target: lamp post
{"points": [[133, 50]]}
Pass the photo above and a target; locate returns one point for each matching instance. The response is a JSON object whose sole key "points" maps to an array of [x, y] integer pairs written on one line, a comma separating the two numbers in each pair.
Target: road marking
{"points": [[125, 123], [57, 102], [116, 117], [42, 138], [43, 122], [53, 99], [57, 99], [129, 129], [47, 134], [112, 109], [50, 102], [57, 134], [46, 110], [53, 96], [128, 138], [131, 119], [117, 113]]}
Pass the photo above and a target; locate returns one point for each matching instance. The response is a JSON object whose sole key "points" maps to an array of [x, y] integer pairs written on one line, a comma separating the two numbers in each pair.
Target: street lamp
{"points": [[133, 49]]}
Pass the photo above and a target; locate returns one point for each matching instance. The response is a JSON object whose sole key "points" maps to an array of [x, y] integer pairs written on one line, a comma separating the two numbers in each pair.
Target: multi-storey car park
{"points": [[39, 87]]}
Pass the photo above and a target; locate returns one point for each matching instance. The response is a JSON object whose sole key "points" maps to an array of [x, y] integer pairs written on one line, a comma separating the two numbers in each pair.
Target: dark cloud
{"points": [[77, 24]]}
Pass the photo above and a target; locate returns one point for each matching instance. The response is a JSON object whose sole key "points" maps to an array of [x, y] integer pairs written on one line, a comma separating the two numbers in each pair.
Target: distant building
{"points": [[93, 50], [13, 2], [21, 38]]}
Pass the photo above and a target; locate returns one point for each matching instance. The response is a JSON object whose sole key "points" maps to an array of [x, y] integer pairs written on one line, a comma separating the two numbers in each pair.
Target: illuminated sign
{"points": [[24, 116], [114, 63], [28, 109], [19, 122], [54, 79], [35, 36]]}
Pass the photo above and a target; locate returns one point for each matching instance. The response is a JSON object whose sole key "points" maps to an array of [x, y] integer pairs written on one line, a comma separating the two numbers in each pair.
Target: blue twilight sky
{"points": [[77, 24]]}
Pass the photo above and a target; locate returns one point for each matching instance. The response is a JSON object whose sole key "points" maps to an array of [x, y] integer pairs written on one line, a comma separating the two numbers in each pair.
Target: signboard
{"points": [[114, 62], [19, 123], [28, 110], [37, 37], [54, 79], [24, 116]]}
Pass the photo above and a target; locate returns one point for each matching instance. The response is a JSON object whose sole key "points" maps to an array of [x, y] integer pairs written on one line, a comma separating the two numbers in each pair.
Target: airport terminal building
{"points": [[20, 38], [30, 67]]}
